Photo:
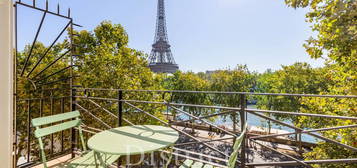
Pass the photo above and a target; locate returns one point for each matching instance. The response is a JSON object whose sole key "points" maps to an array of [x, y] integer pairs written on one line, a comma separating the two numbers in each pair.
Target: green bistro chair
{"points": [[60, 122], [232, 159]]}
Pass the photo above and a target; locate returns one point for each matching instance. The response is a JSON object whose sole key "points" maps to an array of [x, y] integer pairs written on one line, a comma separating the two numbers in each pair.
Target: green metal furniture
{"points": [[56, 123], [232, 159], [133, 140]]}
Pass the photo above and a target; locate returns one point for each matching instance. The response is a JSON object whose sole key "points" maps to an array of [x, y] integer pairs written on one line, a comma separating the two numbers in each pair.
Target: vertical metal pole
{"points": [[167, 108], [300, 143], [28, 130], [72, 90], [173, 113], [269, 115], [51, 110], [243, 121], [73, 131], [14, 145], [120, 108], [234, 121], [120, 116], [41, 103], [62, 111], [269, 124], [234, 118]]}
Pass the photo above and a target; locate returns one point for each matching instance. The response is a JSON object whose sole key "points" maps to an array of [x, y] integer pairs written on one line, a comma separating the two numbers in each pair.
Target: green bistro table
{"points": [[132, 140]]}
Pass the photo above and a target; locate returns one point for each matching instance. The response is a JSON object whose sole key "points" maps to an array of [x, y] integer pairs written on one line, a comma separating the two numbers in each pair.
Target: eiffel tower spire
{"points": [[161, 59]]}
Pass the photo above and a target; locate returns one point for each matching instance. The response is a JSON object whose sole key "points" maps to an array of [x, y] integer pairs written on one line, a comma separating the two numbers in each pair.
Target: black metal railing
{"points": [[26, 144], [117, 107]]}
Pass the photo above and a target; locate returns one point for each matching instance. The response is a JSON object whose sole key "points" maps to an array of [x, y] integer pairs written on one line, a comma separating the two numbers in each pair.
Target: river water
{"points": [[257, 122]]}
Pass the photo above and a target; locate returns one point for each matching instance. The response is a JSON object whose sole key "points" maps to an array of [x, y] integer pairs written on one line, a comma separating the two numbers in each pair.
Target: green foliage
{"points": [[336, 24], [332, 106], [190, 82], [28, 87], [298, 78], [239, 79], [27, 82], [106, 61]]}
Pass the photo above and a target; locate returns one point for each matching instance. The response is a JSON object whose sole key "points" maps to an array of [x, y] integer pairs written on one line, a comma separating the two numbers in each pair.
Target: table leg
{"points": [[95, 159], [157, 159], [98, 157], [169, 159], [119, 162]]}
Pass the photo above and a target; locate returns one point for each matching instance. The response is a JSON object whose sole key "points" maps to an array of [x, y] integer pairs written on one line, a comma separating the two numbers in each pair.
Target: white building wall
{"points": [[6, 85]]}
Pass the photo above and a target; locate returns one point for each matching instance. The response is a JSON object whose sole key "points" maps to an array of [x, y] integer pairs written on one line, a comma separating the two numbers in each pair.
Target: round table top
{"points": [[133, 140]]}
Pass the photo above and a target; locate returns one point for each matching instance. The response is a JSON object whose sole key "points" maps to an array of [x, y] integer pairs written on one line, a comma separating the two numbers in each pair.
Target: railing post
{"points": [[234, 118], [41, 102], [120, 108], [243, 121], [73, 131], [120, 115], [28, 131], [51, 111], [62, 111], [300, 143], [167, 107]]}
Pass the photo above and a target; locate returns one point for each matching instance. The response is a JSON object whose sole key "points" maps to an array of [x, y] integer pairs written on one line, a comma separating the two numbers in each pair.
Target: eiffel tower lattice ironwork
{"points": [[161, 59]]}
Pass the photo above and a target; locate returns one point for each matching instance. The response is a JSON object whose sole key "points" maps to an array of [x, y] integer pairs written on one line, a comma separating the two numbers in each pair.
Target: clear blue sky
{"points": [[204, 34]]}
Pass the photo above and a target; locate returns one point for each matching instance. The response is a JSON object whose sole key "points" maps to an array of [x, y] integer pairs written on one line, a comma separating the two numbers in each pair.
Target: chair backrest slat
{"points": [[236, 146], [54, 118], [56, 128], [43, 130]]}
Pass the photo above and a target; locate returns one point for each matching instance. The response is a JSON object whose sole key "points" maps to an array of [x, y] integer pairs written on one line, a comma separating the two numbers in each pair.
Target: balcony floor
{"points": [[56, 162]]}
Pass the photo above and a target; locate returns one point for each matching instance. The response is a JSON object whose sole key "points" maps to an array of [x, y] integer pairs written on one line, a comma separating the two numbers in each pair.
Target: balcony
{"points": [[207, 131]]}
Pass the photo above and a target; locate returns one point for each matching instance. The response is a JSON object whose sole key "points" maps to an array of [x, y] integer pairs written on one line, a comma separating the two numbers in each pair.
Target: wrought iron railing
{"points": [[107, 108]]}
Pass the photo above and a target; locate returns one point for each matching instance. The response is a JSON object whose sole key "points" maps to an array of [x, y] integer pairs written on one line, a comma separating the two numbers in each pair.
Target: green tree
{"points": [[30, 85], [239, 79], [332, 106], [189, 81], [336, 26], [299, 78], [105, 61], [335, 21]]}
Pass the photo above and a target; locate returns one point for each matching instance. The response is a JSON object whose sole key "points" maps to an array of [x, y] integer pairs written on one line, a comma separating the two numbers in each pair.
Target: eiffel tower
{"points": [[161, 59]]}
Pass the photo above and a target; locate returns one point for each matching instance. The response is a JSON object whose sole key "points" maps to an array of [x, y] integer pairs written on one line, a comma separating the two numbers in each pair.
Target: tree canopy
{"points": [[335, 22]]}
